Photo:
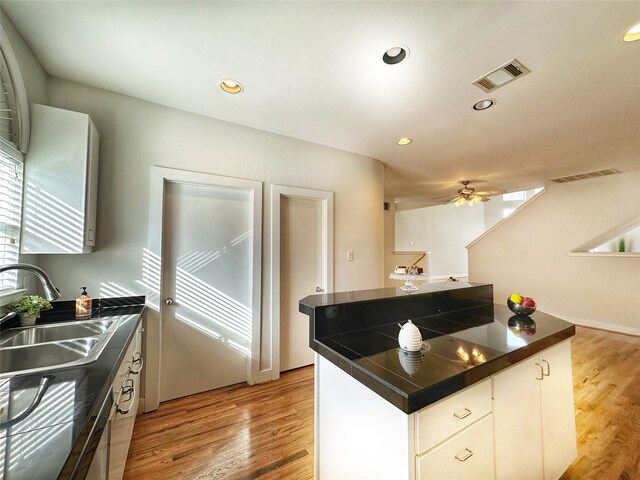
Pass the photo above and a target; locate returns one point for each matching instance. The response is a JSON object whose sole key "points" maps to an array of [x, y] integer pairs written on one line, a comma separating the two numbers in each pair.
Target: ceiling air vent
{"points": [[582, 176], [501, 76]]}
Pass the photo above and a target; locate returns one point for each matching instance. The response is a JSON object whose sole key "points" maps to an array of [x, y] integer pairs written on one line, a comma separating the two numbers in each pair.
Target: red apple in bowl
{"points": [[527, 302]]}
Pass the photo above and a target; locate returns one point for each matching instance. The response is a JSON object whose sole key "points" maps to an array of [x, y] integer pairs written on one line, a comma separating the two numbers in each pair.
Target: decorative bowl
{"points": [[519, 309]]}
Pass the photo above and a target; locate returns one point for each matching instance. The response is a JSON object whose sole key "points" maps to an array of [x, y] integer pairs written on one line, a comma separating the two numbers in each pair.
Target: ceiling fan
{"points": [[468, 195]]}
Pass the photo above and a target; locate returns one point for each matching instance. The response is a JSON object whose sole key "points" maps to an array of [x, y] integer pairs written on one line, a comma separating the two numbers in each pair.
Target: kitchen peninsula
{"points": [[489, 395]]}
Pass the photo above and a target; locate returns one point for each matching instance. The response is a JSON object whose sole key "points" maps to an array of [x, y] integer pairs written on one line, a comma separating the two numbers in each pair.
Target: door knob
{"points": [[318, 289], [168, 301]]}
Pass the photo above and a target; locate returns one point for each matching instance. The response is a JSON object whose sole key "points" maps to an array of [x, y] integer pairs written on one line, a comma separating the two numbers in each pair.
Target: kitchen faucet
{"points": [[51, 292]]}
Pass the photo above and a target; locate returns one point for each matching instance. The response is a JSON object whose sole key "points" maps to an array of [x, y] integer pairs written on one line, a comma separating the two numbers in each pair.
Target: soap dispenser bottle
{"points": [[83, 305]]}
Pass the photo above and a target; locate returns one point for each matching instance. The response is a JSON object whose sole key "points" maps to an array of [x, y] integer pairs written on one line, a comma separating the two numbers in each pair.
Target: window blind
{"points": [[11, 171], [11, 161], [8, 110]]}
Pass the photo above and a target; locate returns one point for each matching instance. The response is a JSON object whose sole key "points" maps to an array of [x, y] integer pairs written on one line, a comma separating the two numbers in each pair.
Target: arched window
{"points": [[14, 137]]}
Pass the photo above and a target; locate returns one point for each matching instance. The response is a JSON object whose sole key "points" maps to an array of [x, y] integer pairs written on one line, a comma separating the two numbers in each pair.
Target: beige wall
{"points": [[527, 253], [442, 230], [135, 134]]}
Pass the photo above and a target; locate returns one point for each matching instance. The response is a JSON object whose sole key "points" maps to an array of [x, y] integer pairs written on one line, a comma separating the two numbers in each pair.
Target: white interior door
{"points": [[301, 273], [207, 288]]}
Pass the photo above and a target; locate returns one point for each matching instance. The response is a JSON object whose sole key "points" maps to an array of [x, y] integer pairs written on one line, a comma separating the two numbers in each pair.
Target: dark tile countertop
{"points": [[54, 440], [466, 338]]}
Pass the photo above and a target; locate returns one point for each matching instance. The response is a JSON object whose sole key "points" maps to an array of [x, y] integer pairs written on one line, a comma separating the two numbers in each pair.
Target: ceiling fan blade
{"points": [[484, 199], [491, 192], [444, 196]]}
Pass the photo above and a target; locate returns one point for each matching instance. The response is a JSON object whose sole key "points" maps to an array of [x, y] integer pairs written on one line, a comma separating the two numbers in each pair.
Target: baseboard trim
{"points": [[635, 331]]}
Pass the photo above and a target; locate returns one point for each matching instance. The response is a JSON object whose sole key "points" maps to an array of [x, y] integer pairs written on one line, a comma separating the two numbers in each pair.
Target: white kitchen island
{"points": [[483, 400]]}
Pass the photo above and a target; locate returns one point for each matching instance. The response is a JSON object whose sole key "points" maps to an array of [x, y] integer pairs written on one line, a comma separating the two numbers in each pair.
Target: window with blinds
{"points": [[11, 171], [8, 110], [10, 213]]}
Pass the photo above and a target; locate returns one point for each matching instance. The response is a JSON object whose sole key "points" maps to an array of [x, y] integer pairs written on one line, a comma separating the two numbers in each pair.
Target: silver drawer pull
{"points": [[464, 456], [136, 361], [131, 391], [464, 413], [541, 372], [548, 369]]}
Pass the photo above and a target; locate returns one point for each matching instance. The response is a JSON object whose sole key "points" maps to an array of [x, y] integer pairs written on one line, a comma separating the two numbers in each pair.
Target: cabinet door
{"points": [[467, 455], [516, 417], [60, 170], [558, 417], [127, 406]]}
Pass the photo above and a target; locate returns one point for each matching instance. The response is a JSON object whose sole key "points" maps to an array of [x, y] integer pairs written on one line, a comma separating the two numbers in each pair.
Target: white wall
{"points": [[443, 230], [391, 257], [33, 75], [528, 253], [135, 134]]}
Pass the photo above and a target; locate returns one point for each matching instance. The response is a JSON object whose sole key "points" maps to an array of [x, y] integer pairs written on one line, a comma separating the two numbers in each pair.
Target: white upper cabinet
{"points": [[61, 183]]}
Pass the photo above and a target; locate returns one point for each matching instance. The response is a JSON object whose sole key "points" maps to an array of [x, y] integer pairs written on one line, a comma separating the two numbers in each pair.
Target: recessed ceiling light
{"points": [[404, 141], [483, 104], [230, 85], [395, 55], [632, 34]]}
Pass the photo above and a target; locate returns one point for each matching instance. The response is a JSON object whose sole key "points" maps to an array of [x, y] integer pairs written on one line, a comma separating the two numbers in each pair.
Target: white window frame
{"points": [[12, 151]]}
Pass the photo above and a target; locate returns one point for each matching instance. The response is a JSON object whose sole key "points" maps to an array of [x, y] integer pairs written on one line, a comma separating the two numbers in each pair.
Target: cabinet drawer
{"points": [[467, 455], [443, 419]]}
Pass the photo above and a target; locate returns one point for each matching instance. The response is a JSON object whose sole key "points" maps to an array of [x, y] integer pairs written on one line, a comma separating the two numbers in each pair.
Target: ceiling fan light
{"points": [[459, 201], [633, 34]]}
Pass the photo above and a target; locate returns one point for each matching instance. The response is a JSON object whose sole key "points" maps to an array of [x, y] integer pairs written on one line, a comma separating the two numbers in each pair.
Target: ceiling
{"points": [[314, 71]]}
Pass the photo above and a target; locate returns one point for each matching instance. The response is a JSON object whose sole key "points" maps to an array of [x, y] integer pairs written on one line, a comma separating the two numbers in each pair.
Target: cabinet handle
{"points": [[464, 413], [127, 390], [136, 361], [548, 369], [464, 456], [541, 372]]}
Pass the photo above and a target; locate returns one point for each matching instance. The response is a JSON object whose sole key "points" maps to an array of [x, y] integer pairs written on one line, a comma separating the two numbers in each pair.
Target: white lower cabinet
{"points": [[534, 422], [467, 455], [127, 395], [517, 424]]}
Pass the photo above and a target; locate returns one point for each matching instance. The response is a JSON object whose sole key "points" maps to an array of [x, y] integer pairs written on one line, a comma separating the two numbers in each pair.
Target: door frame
{"points": [[326, 200], [153, 269]]}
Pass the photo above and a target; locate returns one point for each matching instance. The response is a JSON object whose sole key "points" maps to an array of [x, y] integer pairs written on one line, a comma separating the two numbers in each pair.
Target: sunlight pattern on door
{"points": [[206, 288]]}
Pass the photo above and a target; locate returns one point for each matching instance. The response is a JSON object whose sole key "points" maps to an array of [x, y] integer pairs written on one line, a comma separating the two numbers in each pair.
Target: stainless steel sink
{"points": [[46, 347], [52, 333], [37, 357]]}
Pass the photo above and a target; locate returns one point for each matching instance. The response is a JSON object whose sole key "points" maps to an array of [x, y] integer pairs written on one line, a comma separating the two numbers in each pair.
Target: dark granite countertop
{"points": [[466, 338], [50, 441]]}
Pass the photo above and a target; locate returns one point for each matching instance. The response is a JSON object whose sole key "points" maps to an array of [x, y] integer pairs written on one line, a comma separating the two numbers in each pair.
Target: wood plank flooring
{"points": [[236, 432], [606, 387], [266, 431]]}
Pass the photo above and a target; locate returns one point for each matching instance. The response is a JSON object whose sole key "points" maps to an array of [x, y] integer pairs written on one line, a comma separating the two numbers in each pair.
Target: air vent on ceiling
{"points": [[582, 176], [501, 76]]}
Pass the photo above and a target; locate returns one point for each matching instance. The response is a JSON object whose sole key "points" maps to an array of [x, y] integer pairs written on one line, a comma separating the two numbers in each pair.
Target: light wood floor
{"points": [[266, 431], [606, 386]]}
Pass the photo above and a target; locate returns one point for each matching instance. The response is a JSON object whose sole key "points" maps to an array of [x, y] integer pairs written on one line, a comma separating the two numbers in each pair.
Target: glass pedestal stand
{"points": [[409, 280]]}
